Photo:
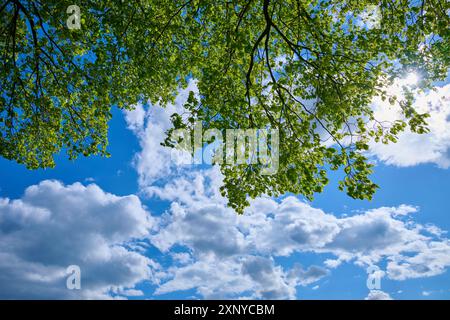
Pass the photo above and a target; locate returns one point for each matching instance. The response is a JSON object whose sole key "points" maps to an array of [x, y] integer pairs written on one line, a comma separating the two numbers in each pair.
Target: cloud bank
{"points": [[53, 226]]}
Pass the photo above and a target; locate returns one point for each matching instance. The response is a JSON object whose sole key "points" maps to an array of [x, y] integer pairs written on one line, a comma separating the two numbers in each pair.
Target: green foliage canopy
{"points": [[308, 68]]}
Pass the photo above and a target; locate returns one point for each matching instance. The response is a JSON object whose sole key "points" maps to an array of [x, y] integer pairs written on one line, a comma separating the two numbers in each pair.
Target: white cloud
{"points": [[432, 259], [155, 161], [378, 295], [370, 18], [413, 149], [240, 276], [53, 226], [201, 222]]}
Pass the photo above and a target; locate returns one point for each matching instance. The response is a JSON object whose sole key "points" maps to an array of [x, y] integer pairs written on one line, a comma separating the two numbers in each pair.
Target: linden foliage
{"points": [[308, 68]]}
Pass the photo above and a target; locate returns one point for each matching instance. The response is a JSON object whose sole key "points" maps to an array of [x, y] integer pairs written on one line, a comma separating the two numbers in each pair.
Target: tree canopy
{"points": [[309, 68]]}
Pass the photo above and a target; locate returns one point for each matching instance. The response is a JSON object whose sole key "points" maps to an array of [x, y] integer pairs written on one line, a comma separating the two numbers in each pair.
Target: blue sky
{"points": [[174, 237]]}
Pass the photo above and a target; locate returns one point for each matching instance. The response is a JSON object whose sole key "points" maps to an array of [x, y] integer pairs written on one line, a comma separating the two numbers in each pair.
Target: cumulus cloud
{"points": [[240, 276], [413, 149], [378, 295], [433, 259], [53, 226], [209, 230], [149, 123]]}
